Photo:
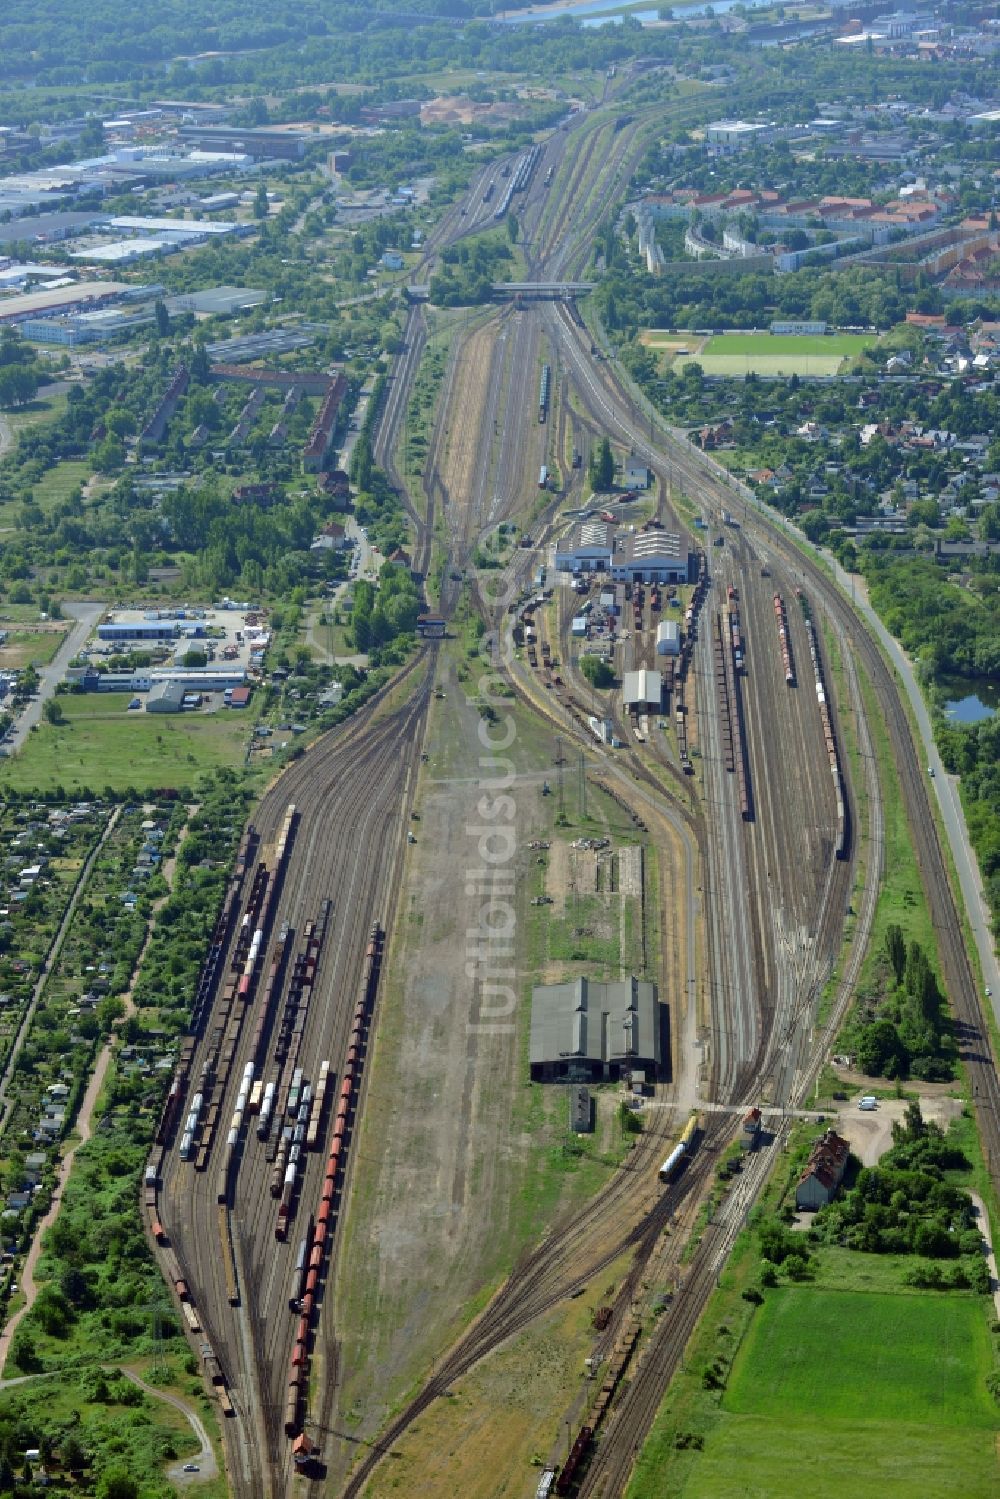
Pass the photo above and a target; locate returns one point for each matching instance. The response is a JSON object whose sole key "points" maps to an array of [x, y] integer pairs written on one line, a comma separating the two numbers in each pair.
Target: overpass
{"points": [[540, 291]]}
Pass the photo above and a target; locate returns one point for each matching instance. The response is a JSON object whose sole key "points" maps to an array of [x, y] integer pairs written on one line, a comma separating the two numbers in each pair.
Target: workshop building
{"points": [[652, 556], [586, 547], [166, 697], [586, 1031], [139, 629], [643, 690]]}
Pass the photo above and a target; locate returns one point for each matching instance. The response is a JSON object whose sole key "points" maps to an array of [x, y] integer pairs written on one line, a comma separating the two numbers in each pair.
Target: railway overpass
{"points": [[540, 291]]}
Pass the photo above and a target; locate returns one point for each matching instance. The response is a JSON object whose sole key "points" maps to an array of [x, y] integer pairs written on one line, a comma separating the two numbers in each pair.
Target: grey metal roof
{"points": [[594, 1021], [642, 687]]}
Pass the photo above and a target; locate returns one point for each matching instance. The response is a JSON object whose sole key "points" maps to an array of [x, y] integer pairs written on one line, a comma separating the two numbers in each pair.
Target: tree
{"points": [[602, 466], [597, 672], [74, 1458], [53, 711], [260, 202], [18, 385], [162, 318], [895, 947], [116, 1483], [200, 364], [881, 1052], [24, 1353]]}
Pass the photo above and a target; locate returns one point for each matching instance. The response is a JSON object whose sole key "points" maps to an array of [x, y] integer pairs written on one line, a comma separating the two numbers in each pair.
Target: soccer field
{"points": [[780, 353]]}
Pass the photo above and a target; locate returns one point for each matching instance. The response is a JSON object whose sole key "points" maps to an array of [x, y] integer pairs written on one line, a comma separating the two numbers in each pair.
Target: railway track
{"points": [[352, 790], [617, 1452]]}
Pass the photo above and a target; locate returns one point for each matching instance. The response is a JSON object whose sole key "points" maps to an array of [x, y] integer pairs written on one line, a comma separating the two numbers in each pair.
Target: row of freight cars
{"points": [[842, 837], [206, 986], [237, 996], [784, 640], [307, 1290], [544, 393], [683, 663]]}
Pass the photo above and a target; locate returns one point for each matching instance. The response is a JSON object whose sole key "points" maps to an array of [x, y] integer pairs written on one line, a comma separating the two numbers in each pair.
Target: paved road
{"points": [[86, 617], [991, 1259]]}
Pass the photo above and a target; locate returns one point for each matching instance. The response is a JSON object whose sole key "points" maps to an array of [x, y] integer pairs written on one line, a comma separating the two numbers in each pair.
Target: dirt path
{"points": [[205, 1459], [84, 1130]]}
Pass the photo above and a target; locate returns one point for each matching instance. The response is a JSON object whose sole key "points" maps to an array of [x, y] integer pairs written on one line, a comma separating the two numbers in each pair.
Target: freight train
{"points": [[841, 846], [544, 393], [684, 1148], [307, 1289]]}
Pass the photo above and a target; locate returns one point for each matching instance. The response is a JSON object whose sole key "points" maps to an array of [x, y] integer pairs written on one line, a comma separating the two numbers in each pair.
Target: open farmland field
{"points": [[102, 744], [867, 1393], [779, 353]]}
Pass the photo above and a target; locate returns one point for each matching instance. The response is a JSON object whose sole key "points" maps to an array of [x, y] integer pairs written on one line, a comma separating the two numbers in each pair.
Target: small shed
{"points": [[581, 1111], [750, 1133]]}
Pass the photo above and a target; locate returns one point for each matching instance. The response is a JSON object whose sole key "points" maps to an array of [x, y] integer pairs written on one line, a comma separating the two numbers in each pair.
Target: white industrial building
{"points": [[642, 689], [668, 638], [635, 474]]}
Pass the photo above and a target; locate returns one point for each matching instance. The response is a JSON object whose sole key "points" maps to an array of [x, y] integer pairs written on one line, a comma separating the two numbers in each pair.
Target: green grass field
{"points": [[841, 1393], [103, 744], [752, 1457], [780, 353], [865, 1357]]}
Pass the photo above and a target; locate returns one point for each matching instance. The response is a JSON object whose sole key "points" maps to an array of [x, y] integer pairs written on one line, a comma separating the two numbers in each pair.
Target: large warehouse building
{"points": [[586, 1031]]}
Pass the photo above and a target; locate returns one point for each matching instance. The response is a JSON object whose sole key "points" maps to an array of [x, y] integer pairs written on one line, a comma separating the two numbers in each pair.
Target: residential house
{"points": [[823, 1173]]}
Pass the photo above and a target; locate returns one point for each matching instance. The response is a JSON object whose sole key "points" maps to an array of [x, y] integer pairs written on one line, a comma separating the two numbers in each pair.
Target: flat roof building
{"points": [[56, 300], [139, 629], [261, 144], [588, 1031]]}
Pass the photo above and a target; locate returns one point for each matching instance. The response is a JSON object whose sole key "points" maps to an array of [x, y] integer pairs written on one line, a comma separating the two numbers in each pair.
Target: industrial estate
{"points": [[499, 671]]}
